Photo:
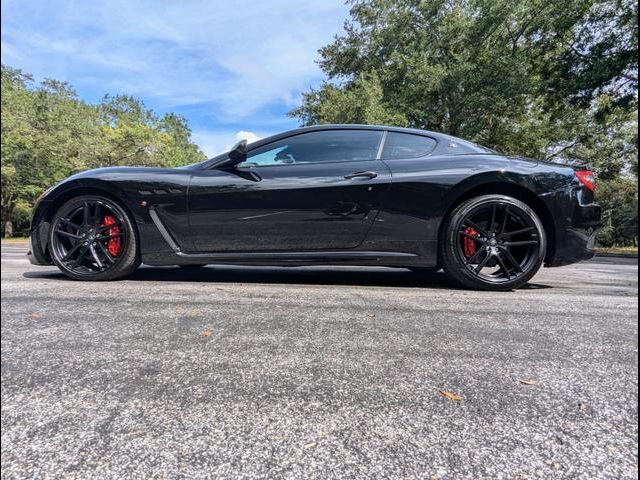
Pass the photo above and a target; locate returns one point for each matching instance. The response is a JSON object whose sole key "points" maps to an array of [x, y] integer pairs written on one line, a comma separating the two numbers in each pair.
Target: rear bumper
{"points": [[576, 238]]}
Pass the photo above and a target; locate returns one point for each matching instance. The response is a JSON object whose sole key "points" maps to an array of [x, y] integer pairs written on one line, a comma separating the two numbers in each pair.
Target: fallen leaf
{"points": [[450, 396], [36, 315], [207, 333], [310, 445], [528, 382]]}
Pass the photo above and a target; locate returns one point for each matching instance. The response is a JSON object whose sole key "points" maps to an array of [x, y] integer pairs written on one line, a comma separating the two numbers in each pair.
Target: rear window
{"points": [[406, 145]]}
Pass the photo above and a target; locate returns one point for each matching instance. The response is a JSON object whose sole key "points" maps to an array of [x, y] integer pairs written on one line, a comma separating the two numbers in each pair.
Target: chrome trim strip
{"points": [[381, 146], [163, 230]]}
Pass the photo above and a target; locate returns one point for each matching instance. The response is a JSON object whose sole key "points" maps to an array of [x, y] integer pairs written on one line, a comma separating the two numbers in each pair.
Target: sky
{"points": [[232, 68]]}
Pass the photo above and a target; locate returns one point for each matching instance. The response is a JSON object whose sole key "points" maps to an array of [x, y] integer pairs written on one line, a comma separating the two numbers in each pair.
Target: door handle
{"points": [[368, 175]]}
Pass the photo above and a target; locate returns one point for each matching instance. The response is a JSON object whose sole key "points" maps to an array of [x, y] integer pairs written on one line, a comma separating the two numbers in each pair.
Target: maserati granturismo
{"points": [[326, 195]]}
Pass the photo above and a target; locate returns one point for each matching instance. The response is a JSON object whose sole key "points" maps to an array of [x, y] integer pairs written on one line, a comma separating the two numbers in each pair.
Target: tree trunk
{"points": [[8, 229], [8, 207]]}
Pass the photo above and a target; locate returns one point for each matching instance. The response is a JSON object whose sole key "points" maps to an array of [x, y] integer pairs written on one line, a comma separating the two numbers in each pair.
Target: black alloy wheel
{"points": [[92, 238], [493, 242]]}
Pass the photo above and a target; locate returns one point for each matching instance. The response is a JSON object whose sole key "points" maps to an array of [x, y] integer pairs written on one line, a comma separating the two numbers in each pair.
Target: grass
{"points": [[15, 240], [619, 250]]}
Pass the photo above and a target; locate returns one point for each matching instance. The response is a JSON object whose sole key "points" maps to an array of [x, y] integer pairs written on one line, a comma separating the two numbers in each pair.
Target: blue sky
{"points": [[233, 68]]}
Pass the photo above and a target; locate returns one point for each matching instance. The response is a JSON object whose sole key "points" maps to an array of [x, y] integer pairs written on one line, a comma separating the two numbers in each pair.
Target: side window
{"points": [[320, 146], [406, 145]]}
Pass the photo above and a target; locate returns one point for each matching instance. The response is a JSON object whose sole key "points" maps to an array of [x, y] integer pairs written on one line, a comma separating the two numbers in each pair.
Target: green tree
{"points": [[549, 80], [359, 102], [48, 133]]}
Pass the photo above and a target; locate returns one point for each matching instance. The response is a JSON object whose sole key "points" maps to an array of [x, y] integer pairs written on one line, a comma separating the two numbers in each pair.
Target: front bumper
{"points": [[37, 254]]}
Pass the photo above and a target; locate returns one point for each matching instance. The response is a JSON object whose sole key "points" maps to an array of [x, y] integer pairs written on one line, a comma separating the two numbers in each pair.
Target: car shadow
{"points": [[356, 276]]}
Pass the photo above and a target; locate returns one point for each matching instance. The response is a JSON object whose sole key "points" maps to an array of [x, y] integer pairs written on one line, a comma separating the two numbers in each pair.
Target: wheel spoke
{"points": [[68, 234], [102, 228], [94, 254], [70, 223], [475, 226], [482, 264], [474, 257], [83, 252], [96, 212], [503, 267], [511, 259], [493, 217], [519, 232], [72, 251], [503, 224], [85, 213], [524, 243], [106, 253], [109, 237], [472, 237]]}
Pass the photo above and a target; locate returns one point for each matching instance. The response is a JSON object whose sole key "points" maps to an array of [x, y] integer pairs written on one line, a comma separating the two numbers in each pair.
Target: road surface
{"points": [[318, 373]]}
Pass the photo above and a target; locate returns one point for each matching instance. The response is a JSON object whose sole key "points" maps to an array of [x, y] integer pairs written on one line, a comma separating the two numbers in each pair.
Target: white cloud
{"points": [[235, 58], [250, 137], [214, 143]]}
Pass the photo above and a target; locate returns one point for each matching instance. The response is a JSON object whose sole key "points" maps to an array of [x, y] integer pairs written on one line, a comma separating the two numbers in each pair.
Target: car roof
{"points": [[358, 126]]}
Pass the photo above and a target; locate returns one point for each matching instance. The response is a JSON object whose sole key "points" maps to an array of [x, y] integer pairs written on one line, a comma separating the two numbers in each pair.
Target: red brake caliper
{"points": [[115, 244], [469, 246]]}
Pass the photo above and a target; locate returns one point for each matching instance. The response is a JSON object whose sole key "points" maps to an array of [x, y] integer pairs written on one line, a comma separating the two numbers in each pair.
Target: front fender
{"points": [[64, 190], [51, 200]]}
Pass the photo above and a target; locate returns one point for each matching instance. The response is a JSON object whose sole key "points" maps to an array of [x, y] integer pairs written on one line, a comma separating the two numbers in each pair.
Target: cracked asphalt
{"points": [[318, 373]]}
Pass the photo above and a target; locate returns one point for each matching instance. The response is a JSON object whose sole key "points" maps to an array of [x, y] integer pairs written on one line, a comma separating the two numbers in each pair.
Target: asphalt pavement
{"points": [[318, 373]]}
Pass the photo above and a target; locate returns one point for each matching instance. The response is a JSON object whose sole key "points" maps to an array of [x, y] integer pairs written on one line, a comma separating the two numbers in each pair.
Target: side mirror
{"points": [[236, 155]]}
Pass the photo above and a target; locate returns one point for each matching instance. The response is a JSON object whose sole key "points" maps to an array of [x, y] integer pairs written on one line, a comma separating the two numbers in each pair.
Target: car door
{"points": [[311, 191]]}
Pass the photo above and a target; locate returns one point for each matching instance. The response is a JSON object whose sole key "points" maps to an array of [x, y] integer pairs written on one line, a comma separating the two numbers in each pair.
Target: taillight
{"points": [[587, 179]]}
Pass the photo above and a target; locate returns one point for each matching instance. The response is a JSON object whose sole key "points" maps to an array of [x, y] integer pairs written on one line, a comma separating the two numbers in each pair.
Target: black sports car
{"points": [[331, 194]]}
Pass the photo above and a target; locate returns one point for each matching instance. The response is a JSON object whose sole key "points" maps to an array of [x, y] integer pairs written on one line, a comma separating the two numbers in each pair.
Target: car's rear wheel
{"points": [[93, 238], [493, 242]]}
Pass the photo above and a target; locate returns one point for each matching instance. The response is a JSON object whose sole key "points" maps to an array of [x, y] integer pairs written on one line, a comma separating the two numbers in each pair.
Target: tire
{"points": [[72, 234], [514, 250]]}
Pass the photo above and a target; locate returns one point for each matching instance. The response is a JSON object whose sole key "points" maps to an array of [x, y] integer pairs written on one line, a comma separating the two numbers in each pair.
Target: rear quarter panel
{"points": [[425, 190]]}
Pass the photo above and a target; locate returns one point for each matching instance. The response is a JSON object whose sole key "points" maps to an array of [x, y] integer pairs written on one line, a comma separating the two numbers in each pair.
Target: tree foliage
{"points": [[549, 80], [48, 133]]}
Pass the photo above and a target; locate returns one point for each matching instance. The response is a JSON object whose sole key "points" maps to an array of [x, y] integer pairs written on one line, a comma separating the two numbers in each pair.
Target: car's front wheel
{"points": [[493, 242], [93, 238]]}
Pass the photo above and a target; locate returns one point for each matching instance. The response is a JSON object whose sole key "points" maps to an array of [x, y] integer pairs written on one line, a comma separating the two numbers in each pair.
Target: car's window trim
{"points": [[378, 150], [240, 167], [435, 146], [381, 144]]}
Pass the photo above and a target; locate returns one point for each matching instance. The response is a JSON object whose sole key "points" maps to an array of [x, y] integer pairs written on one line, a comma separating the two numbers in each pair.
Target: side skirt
{"points": [[316, 257]]}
